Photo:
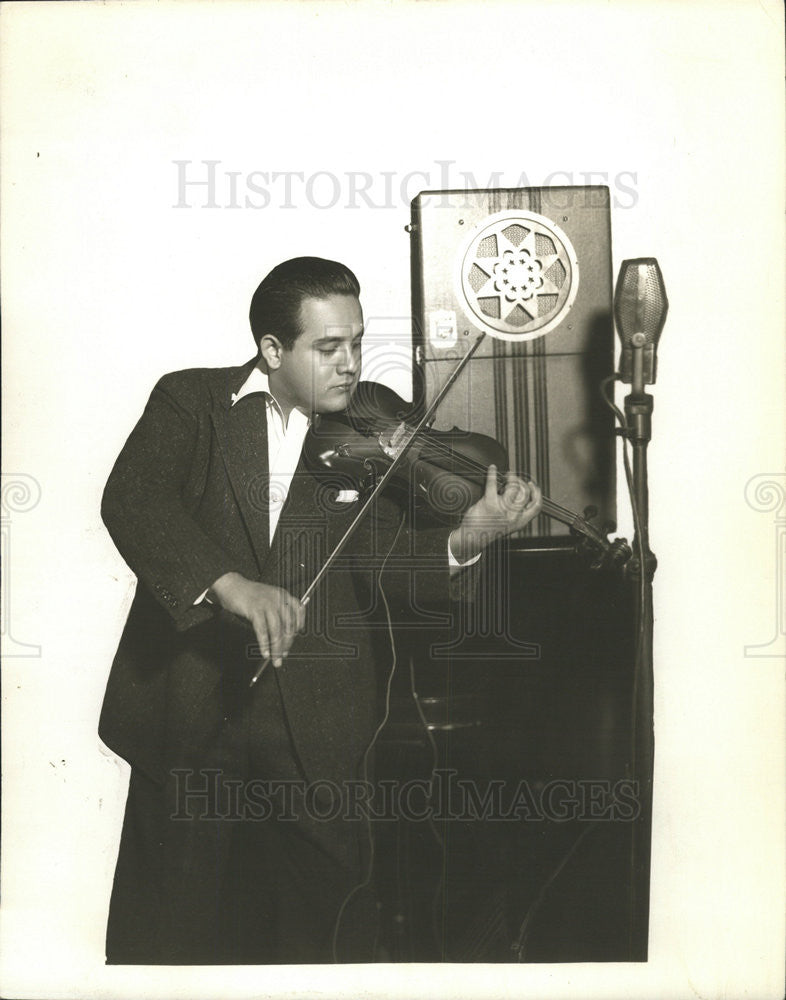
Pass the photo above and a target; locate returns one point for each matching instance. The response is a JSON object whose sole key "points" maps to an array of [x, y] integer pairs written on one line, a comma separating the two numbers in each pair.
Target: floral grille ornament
{"points": [[519, 275]]}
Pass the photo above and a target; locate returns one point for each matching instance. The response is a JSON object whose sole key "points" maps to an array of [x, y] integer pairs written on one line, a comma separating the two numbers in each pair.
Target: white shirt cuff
{"points": [[453, 563]]}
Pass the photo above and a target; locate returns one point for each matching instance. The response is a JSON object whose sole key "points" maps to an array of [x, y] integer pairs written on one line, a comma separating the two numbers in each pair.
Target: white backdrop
{"points": [[106, 284]]}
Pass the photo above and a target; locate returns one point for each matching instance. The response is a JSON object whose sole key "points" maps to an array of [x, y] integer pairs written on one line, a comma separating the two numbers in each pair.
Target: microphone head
{"points": [[640, 308]]}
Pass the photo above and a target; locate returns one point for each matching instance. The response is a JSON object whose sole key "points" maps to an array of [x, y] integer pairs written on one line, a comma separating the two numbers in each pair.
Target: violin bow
{"points": [[379, 486]]}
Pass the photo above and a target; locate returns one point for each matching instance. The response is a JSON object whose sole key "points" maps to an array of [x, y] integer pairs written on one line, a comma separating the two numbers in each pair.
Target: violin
{"points": [[444, 470]]}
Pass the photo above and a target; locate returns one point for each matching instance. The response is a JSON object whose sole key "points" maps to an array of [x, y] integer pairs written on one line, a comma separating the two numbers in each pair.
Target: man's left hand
{"points": [[495, 515]]}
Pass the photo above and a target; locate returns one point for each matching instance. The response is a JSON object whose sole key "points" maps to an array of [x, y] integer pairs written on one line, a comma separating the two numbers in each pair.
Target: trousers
{"points": [[233, 860]]}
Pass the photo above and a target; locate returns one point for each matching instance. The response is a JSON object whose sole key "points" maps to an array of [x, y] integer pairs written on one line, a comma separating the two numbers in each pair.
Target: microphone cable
{"points": [[432, 827], [641, 637], [645, 613], [367, 753]]}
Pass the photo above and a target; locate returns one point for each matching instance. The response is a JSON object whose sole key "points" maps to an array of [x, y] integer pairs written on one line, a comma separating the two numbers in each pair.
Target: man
{"points": [[231, 851]]}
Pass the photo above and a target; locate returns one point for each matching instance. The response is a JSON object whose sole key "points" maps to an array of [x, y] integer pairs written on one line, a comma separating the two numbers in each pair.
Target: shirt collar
{"points": [[258, 381]]}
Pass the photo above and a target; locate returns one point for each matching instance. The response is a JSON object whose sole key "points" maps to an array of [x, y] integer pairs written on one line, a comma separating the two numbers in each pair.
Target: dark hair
{"points": [[275, 305]]}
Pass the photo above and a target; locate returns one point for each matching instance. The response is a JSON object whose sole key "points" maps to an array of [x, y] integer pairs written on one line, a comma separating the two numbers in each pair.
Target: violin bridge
{"points": [[393, 444]]}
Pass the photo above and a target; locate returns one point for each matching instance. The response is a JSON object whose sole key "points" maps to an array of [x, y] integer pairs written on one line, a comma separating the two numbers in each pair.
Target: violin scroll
{"points": [[594, 542]]}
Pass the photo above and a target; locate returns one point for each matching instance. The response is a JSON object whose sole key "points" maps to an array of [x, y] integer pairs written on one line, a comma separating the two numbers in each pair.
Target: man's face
{"points": [[321, 371]]}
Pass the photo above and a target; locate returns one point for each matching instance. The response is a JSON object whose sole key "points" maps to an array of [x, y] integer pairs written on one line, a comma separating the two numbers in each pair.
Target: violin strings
{"points": [[549, 505]]}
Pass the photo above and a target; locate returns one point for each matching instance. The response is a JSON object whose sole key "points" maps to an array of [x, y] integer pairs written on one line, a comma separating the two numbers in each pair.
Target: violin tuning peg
{"points": [[608, 527], [590, 511]]}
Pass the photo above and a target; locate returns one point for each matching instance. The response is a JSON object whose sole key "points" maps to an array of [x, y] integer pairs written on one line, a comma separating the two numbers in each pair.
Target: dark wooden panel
{"points": [[540, 700]]}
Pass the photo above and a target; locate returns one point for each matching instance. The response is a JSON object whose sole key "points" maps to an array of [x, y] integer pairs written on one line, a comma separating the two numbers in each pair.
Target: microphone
{"points": [[640, 307]]}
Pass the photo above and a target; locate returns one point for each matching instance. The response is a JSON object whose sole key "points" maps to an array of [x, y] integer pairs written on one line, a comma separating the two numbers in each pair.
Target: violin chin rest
{"points": [[372, 402]]}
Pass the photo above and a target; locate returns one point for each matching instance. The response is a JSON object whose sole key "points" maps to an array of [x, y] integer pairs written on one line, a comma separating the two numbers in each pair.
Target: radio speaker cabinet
{"points": [[533, 267]]}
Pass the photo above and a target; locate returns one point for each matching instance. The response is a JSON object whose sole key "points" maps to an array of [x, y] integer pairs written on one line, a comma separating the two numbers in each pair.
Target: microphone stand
{"points": [[640, 570]]}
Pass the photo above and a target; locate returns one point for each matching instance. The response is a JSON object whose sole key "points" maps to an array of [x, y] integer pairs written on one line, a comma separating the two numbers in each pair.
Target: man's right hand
{"points": [[275, 615]]}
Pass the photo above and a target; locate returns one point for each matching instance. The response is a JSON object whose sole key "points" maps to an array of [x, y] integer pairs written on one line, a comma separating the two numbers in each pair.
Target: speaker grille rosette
{"points": [[519, 275]]}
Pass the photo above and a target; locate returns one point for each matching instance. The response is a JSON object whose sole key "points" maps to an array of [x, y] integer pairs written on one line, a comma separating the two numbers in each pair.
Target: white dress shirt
{"points": [[284, 443]]}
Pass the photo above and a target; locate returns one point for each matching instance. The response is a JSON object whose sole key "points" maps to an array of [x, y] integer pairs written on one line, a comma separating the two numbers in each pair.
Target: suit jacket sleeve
{"points": [[146, 506], [441, 583], [411, 554]]}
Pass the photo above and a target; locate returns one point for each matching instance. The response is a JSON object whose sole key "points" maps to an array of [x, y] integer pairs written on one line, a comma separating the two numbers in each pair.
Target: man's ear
{"points": [[270, 350]]}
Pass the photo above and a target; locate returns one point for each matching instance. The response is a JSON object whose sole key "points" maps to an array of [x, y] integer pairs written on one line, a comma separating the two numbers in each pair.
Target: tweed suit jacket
{"points": [[187, 502]]}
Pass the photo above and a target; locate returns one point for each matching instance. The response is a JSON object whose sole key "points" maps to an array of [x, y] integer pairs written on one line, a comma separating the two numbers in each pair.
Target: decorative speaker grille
{"points": [[519, 275]]}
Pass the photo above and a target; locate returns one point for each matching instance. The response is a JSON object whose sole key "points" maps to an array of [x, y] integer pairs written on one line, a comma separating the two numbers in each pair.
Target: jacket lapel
{"points": [[241, 432]]}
